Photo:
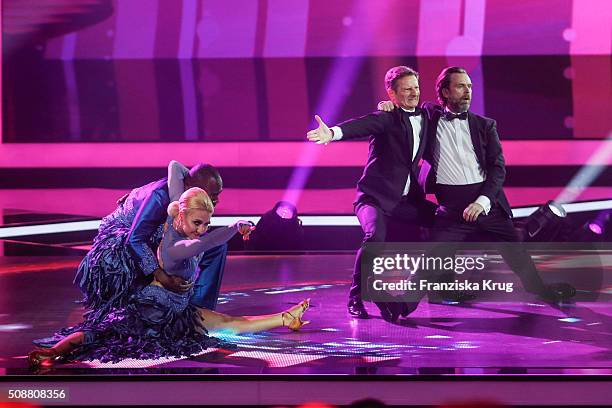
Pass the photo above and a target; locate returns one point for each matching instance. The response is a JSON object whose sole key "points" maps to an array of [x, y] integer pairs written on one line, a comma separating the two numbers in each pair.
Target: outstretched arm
{"points": [[371, 124], [187, 248], [176, 178]]}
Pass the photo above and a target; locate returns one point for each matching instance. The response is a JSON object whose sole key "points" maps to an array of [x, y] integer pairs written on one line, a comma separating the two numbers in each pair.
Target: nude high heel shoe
{"points": [[296, 322], [42, 356]]}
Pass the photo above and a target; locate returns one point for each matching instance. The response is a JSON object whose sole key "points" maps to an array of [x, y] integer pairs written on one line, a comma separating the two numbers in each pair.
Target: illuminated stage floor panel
{"points": [[518, 336]]}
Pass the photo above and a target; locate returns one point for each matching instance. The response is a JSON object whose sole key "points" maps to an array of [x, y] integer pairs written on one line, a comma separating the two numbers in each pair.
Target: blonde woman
{"points": [[158, 322]]}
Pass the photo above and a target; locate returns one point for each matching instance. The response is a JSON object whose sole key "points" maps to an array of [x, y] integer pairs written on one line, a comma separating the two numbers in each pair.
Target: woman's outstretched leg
{"points": [[45, 356], [215, 321]]}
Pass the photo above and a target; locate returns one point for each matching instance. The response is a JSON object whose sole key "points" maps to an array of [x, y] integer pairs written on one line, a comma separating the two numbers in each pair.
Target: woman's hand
{"points": [[121, 200], [245, 228]]}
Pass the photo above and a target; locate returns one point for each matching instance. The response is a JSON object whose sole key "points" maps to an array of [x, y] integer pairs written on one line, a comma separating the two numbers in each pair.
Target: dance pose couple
{"points": [[168, 315], [464, 167]]}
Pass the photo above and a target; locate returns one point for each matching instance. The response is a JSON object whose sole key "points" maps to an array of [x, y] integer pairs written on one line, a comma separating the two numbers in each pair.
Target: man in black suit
{"points": [[467, 174], [388, 191]]}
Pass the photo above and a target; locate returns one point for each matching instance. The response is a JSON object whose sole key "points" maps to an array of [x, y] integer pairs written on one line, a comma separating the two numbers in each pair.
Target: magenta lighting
{"points": [[343, 73], [596, 228], [355, 42], [598, 225], [285, 210], [588, 173]]}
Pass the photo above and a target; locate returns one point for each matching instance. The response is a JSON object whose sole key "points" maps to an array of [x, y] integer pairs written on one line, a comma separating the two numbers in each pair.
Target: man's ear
{"points": [[445, 92], [391, 94]]}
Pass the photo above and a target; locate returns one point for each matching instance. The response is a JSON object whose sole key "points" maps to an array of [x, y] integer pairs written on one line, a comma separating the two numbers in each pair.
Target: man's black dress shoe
{"points": [[408, 307], [390, 311], [357, 309], [385, 313], [558, 292]]}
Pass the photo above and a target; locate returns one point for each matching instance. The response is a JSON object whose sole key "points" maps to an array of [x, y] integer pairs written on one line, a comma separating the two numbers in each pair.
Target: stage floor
{"points": [[519, 336]]}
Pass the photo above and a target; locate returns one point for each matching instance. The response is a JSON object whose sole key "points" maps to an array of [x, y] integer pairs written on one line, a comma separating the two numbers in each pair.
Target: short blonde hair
{"points": [[193, 199], [395, 74]]}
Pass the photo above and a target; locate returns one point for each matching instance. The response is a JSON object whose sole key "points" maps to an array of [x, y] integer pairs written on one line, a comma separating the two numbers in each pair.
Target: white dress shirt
{"points": [[456, 157], [415, 121]]}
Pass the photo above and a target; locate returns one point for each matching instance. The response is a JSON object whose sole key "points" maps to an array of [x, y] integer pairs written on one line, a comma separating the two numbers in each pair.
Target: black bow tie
{"points": [[450, 115], [417, 112]]}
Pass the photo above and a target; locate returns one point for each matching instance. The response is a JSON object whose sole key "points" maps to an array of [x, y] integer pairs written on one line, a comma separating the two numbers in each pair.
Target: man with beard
{"points": [[468, 172]]}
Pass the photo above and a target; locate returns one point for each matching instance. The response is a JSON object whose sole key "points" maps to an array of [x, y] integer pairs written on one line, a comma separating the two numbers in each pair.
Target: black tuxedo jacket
{"points": [[487, 146], [390, 160]]}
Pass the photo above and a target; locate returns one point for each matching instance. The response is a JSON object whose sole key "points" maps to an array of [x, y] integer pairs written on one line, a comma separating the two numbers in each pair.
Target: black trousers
{"points": [[496, 226], [403, 223]]}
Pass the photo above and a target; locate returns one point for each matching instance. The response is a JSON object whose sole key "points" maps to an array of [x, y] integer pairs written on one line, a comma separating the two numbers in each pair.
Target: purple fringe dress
{"points": [[155, 322]]}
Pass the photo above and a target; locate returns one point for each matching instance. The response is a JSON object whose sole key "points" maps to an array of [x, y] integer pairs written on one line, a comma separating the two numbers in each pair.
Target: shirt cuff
{"points": [[485, 202], [337, 130], [148, 265]]}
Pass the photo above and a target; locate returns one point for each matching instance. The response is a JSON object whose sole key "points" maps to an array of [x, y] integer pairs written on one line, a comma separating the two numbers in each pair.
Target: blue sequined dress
{"points": [[122, 259], [156, 322], [125, 319], [110, 273]]}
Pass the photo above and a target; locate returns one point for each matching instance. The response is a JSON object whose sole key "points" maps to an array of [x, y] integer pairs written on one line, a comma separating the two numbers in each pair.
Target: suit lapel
{"points": [[428, 180], [475, 135], [423, 137], [408, 138], [432, 137]]}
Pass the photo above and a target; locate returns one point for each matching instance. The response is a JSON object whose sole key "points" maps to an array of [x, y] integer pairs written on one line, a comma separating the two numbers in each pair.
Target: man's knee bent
{"points": [[373, 235]]}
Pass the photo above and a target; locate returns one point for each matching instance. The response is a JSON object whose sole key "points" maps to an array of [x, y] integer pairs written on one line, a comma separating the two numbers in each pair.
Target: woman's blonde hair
{"points": [[193, 199]]}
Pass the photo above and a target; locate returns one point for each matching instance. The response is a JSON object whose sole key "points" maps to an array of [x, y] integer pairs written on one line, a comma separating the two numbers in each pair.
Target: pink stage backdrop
{"points": [[99, 95]]}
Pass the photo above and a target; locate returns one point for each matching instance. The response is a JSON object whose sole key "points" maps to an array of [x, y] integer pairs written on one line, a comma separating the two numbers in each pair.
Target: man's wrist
{"points": [[484, 202], [336, 132], [160, 275]]}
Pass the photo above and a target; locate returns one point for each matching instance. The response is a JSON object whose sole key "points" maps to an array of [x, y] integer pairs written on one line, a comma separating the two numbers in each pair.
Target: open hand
{"points": [[320, 135]]}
